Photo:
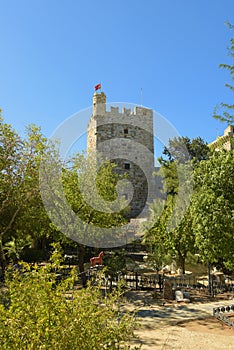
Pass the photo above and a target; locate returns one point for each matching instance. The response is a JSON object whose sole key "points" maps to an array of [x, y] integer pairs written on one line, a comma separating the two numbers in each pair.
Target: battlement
{"points": [[229, 131], [114, 110], [100, 108], [143, 111], [225, 141], [137, 111]]}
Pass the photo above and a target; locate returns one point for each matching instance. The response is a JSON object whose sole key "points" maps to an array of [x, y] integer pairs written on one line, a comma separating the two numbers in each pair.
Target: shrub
{"points": [[36, 313]]}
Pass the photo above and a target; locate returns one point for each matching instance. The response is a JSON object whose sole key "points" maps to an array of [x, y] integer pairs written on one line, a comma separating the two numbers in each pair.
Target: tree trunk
{"points": [[2, 257], [182, 262], [81, 255], [34, 244], [210, 281]]}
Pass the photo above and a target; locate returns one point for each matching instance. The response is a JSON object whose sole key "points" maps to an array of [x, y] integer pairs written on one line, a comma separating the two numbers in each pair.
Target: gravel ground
{"points": [[172, 326], [192, 335]]}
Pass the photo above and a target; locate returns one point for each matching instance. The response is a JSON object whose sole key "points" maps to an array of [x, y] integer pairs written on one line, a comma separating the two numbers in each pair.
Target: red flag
{"points": [[97, 87]]}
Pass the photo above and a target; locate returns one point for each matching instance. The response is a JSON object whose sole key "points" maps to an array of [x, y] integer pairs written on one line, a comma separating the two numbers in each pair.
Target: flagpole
{"points": [[141, 97]]}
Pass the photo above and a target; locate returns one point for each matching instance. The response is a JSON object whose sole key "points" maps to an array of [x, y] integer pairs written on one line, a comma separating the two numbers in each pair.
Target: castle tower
{"points": [[125, 137]]}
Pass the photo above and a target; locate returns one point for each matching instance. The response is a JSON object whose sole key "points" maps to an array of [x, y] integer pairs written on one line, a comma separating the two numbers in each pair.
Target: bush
{"points": [[36, 313]]}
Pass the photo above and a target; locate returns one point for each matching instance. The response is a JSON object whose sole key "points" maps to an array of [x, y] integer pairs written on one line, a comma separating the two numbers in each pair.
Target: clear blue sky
{"points": [[54, 52]]}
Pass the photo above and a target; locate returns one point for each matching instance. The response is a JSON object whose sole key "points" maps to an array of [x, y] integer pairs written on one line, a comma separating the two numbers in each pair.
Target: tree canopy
{"points": [[21, 212], [88, 191], [171, 221], [225, 111], [213, 209]]}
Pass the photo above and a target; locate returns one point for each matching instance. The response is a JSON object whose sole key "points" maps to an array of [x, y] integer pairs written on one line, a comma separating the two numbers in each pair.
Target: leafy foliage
{"points": [[213, 209], [183, 149], [36, 312], [21, 211], [171, 232], [171, 238], [90, 192], [224, 112], [115, 263]]}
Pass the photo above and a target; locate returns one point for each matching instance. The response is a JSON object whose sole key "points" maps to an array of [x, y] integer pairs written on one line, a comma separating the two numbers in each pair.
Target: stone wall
{"points": [[125, 137], [226, 141]]}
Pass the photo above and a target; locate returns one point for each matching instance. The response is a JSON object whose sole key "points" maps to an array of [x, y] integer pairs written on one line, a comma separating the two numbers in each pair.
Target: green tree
{"points": [[79, 180], [23, 182], [22, 214], [80, 200], [91, 192], [171, 220], [115, 265], [213, 209], [155, 236], [12, 166], [170, 234], [32, 221], [183, 149], [224, 112]]}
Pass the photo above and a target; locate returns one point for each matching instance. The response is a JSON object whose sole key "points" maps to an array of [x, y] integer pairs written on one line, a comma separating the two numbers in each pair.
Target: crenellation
{"points": [[142, 111], [114, 110], [229, 131], [226, 141], [126, 111]]}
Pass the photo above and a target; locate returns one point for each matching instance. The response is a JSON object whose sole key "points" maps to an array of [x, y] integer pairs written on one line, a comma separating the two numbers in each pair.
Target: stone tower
{"points": [[126, 138]]}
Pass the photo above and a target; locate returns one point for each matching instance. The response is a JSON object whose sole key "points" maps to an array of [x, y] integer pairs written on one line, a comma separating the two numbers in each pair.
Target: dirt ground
{"points": [[206, 334], [165, 325]]}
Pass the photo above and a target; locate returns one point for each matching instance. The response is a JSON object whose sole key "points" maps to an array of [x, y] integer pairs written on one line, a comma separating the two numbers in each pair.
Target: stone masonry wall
{"points": [[126, 138]]}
